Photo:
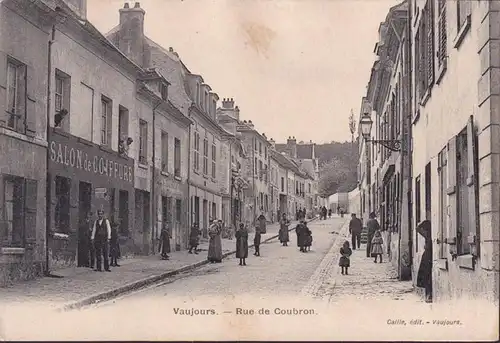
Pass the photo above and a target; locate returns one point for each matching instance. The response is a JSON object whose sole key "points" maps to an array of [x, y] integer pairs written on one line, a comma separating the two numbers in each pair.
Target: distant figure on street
{"points": [[283, 233], [114, 244], [214, 243], [324, 212], [377, 242], [424, 276], [372, 226], [101, 235], [194, 238], [262, 222], [256, 241], [355, 228], [242, 244], [304, 213], [338, 209], [345, 261], [164, 246], [329, 213]]}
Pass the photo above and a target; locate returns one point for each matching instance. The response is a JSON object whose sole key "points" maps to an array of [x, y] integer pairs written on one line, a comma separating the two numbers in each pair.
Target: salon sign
{"points": [[90, 161]]}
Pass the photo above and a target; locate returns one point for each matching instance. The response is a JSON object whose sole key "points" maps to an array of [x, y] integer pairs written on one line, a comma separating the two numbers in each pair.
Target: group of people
{"points": [[98, 242], [300, 214]]}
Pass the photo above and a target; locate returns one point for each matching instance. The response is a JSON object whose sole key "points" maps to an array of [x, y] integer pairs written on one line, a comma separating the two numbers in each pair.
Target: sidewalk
{"points": [[83, 286]]}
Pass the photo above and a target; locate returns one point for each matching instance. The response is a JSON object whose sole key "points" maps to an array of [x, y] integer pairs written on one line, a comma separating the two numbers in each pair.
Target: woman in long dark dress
{"points": [[424, 276], [262, 222], [194, 239], [114, 251], [283, 233], [242, 244], [301, 232], [214, 243], [165, 242]]}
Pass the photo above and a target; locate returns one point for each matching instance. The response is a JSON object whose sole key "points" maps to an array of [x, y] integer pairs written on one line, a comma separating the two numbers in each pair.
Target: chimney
{"points": [[228, 103], [237, 113], [291, 145], [273, 143], [250, 124], [79, 7], [131, 40]]}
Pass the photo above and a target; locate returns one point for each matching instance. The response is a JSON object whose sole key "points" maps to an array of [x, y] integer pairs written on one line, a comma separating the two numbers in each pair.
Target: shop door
{"points": [[123, 213], [84, 209], [205, 219]]}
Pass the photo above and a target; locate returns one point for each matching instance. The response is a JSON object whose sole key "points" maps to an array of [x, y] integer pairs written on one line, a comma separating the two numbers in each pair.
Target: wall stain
{"points": [[259, 37]]}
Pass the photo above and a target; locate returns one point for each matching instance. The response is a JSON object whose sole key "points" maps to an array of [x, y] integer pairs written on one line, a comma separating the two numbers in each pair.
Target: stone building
{"points": [[455, 116], [194, 98], [25, 28]]}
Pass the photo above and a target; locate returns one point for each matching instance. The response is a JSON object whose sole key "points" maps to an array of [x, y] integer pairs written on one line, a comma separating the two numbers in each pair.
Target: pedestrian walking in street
{"points": [[355, 228], [164, 246], [308, 237], [377, 242], [424, 276], [284, 236], [101, 236], [85, 248], [256, 241], [301, 232], [194, 238], [242, 244], [262, 221], [330, 213], [345, 261], [214, 243], [114, 244], [324, 212], [372, 226]]}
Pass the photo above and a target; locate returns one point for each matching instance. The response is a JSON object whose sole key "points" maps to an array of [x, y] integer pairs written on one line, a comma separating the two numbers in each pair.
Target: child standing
{"points": [[256, 241], [345, 253], [377, 242]]}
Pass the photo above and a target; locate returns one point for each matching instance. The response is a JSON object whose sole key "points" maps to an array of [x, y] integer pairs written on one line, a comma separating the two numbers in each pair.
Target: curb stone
{"points": [[327, 267], [136, 285]]}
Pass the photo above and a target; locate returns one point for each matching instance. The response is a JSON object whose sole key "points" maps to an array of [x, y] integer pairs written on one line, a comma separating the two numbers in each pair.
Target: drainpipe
{"points": [[154, 203], [189, 209], [253, 182], [49, 175], [409, 106]]}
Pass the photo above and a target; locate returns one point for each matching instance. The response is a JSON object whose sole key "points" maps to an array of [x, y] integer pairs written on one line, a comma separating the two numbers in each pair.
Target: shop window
{"points": [[143, 141], [106, 120], [177, 157], [16, 95], [62, 209], [164, 152], [19, 215]]}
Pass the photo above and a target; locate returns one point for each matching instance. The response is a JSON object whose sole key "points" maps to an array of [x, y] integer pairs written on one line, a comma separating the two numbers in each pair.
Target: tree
{"points": [[352, 125], [336, 176]]}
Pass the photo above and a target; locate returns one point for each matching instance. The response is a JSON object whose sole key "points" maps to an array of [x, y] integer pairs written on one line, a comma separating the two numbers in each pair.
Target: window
{"points": [[214, 159], [143, 141], [417, 207], [260, 148], [196, 159], [464, 229], [105, 121], [463, 12], [163, 89], [265, 172], [205, 156], [265, 152], [178, 210], [62, 99], [443, 200], [198, 100], [122, 129], [164, 152], [256, 166], [214, 107], [13, 228], [62, 209], [442, 34], [424, 45], [177, 157], [207, 102], [261, 170], [16, 95]]}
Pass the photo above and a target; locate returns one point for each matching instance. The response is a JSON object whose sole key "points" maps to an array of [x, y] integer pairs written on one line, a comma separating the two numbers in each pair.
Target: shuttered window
{"points": [[164, 152], [442, 34], [177, 157], [205, 156], [196, 157], [463, 12], [443, 201], [214, 160], [429, 15]]}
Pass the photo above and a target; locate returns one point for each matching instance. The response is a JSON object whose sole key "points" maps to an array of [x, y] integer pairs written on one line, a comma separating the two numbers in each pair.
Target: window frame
{"points": [[17, 114], [205, 156], [214, 160], [164, 151], [106, 121], [177, 157], [143, 142]]}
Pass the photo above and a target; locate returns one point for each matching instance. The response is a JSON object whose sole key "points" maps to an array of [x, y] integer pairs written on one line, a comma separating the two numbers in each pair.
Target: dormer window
{"points": [[207, 102], [163, 89], [198, 95]]}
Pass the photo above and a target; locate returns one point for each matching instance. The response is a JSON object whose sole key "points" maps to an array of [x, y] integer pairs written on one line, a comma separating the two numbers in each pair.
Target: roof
{"points": [[305, 151], [287, 163], [281, 147]]}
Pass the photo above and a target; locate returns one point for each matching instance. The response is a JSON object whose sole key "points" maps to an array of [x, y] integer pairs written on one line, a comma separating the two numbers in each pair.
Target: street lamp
{"points": [[366, 124]]}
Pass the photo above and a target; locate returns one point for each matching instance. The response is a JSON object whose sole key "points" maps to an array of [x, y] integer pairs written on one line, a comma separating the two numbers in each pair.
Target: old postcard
{"points": [[265, 170]]}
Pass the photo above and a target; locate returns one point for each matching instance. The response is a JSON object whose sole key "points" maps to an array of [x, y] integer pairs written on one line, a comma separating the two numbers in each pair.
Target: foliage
{"points": [[352, 125], [338, 167]]}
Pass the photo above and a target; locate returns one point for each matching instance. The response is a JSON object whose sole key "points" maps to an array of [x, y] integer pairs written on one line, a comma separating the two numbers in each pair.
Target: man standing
{"points": [[101, 236], [372, 225], [355, 227]]}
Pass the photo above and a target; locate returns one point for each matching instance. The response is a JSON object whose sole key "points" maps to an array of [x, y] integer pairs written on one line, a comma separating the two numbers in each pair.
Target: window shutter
{"points": [[30, 208], [442, 34], [452, 190], [3, 86], [30, 102], [430, 43], [472, 182]]}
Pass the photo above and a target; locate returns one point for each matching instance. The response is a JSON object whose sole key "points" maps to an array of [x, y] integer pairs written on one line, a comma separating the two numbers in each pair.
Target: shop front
{"points": [[83, 178]]}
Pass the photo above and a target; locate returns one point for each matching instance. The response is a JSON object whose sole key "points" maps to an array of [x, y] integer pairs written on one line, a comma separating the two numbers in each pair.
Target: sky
{"points": [[294, 67]]}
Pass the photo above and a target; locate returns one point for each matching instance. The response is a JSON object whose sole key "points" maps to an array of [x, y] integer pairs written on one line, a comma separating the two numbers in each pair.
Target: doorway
{"points": [[123, 213], [84, 209], [205, 219]]}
